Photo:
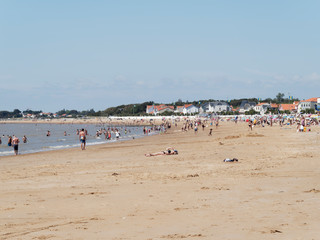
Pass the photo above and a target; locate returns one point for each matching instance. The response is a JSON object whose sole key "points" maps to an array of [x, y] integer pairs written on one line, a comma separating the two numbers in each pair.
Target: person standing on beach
{"points": [[82, 138], [15, 143], [117, 135]]}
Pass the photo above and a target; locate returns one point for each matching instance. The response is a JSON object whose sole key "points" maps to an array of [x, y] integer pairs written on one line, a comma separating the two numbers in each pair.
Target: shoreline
{"points": [[76, 144], [130, 121]]}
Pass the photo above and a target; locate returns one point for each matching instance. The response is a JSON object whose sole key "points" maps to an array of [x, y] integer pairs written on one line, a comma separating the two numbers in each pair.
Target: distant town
{"points": [[311, 105], [253, 106]]}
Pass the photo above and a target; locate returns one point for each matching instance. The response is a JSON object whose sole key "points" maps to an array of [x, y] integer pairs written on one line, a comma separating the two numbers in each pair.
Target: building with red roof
{"points": [[292, 108], [311, 103], [187, 109], [157, 109]]}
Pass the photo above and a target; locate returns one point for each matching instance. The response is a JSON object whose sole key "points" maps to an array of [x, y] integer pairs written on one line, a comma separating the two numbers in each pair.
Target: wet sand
{"points": [[113, 191]]}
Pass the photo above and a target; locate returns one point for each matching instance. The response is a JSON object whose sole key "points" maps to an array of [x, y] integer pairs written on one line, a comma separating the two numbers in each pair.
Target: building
{"points": [[262, 108], [274, 107], [311, 103], [246, 106], [234, 109], [158, 109], [292, 108], [187, 109], [215, 107]]}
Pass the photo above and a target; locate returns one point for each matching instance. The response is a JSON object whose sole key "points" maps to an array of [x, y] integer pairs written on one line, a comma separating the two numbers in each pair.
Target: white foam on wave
{"points": [[6, 153], [64, 146]]}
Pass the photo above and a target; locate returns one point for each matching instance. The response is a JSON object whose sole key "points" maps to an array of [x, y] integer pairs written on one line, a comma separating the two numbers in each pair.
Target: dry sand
{"points": [[113, 191]]}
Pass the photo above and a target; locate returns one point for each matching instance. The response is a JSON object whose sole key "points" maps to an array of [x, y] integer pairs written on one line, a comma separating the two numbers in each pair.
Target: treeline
{"points": [[279, 99], [138, 109], [15, 114], [75, 113]]}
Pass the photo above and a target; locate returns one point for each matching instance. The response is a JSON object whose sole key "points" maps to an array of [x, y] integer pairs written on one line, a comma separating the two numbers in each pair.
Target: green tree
{"points": [[279, 97], [251, 112], [179, 102]]}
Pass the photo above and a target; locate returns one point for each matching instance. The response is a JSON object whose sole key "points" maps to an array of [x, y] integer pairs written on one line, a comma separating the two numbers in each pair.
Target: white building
{"points": [[310, 103], [158, 109], [246, 106], [187, 109], [214, 107], [262, 108]]}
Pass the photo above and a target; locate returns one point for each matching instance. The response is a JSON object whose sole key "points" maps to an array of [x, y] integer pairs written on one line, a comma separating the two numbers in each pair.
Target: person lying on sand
{"points": [[168, 151], [230, 160]]}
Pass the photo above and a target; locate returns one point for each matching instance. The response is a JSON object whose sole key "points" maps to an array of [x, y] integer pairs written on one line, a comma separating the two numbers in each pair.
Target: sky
{"points": [[77, 54]]}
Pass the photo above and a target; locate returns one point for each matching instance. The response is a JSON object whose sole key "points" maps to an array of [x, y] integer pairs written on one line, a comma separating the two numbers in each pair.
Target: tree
{"points": [[16, 113], [179, 102], [310, 111], [280, 97], [251, 112]]}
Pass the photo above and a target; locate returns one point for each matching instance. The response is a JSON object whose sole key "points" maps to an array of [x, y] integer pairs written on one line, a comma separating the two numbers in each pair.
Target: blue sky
{"points": [[97, 54]]}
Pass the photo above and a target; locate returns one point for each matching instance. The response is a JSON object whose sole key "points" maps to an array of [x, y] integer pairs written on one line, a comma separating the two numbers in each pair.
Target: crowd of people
{"points": [[302, 124], [14, 141]]}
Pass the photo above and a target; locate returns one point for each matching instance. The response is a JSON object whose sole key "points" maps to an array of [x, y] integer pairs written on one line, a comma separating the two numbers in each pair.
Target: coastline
{"points": [[120, 121], [97, 193], [64, 136]]}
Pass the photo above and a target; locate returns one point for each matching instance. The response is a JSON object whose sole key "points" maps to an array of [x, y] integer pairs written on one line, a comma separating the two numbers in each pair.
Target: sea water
{"points": [[38, 141]]}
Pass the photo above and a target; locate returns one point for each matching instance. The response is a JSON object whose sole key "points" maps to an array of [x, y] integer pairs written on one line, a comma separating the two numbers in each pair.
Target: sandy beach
{"points": [[113, 191]]}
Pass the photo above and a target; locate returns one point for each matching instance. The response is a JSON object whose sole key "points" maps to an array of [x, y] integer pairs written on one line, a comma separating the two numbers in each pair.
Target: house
{"points": [[274, 106], [187, 109], [234, 109], [29, 115], [318, 104], [179, 109], [262, 108], [214, 107], [152, 109], [246, 106], [311, 103], [292, 108]]}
